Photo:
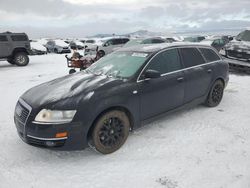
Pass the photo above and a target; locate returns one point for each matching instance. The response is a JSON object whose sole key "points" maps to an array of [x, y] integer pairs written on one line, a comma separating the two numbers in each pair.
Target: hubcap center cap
{"points": [[112, 131]]}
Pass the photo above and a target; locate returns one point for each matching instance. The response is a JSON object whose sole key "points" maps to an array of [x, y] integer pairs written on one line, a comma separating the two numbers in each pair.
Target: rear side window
{"points": [[165, 62], [3, 38], [209, 54], [19, 38], [191, 57]]}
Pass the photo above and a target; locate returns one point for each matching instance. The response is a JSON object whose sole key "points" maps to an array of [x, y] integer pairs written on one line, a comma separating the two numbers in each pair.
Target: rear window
{"points": [[209, 55], [19, 37], [191, 57], [3, 38]]}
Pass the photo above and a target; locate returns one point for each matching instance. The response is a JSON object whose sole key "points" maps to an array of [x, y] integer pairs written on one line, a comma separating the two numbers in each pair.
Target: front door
{"points": [[162, 94], [4, 46]]}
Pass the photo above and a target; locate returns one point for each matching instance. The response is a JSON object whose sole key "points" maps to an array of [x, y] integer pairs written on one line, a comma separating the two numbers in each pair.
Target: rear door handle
{"points": [[180, 79], [209, 70]]}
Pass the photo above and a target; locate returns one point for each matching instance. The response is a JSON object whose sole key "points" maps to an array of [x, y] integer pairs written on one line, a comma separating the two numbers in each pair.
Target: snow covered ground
{"points": [[196, 148]]}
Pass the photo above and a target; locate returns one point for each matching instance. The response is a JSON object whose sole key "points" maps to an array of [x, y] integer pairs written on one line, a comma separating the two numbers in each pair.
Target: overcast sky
{"points": [[81, 17]]}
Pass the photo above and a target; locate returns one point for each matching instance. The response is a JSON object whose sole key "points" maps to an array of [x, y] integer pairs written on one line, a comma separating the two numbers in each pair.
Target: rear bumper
{"points": [[45, 135]]}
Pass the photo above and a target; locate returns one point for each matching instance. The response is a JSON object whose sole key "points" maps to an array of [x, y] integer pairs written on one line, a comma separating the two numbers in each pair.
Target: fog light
{"points": [[61, 135], [50, 143]]}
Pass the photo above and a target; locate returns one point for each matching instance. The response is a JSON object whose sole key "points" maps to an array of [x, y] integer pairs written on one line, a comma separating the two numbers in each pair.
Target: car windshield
{"points": [[119, 64]]}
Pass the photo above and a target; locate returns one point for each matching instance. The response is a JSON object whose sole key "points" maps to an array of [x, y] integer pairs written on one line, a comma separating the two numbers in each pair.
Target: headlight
{"points": [[55, 116]]}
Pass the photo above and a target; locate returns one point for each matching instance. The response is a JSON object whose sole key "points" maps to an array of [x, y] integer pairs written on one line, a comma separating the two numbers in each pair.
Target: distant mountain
{"points": [[144, 33], [137, 34]]}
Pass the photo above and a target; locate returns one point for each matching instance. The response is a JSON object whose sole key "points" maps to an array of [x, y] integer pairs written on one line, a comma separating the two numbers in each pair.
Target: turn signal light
{"points": [[61, 135]]}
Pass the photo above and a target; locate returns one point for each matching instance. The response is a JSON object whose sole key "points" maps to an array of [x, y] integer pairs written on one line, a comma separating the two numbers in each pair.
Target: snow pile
{"points": [[197, 148]]}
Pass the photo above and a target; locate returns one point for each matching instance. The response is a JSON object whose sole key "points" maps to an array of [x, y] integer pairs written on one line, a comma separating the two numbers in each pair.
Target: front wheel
{"points": [[110, 131], [101, 53], [215, 95], [21, 59]]}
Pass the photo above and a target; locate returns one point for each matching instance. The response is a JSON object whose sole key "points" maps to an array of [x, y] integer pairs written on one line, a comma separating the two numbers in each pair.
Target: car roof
{"points": [[151, 48]]}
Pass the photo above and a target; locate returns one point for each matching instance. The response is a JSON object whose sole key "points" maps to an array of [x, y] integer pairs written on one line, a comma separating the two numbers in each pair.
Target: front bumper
{"points": [[238, 54], [44, 135]]}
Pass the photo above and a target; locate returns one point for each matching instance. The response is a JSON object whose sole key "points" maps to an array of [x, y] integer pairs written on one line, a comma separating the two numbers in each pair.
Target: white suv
{"points": [[109, 45]]}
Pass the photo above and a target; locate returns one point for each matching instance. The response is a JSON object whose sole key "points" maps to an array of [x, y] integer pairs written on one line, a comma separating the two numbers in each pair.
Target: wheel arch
{"points": [[17, 50], [120, 108]]}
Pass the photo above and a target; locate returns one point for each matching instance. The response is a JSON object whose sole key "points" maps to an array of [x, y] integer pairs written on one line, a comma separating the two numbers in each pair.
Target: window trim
{"points": [[138, 80]]}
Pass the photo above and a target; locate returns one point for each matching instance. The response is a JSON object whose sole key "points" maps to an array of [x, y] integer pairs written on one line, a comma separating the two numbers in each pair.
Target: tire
{"points": [[21, 59], [72, 71], [101, 53], [56, 51], [110, 131], [215, 95], [10, 61]]}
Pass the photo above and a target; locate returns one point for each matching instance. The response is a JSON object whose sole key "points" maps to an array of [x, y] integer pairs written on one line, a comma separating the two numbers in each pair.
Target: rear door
{"points": [[5, 48], [198, 74], [166, 92]]}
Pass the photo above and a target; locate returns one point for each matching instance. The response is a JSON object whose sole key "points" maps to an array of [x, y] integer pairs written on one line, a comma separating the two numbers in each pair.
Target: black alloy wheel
{"points": [[215, 94], [110, 131]]}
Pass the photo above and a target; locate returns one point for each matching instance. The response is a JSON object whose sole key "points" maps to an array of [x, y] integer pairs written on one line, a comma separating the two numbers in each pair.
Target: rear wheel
{"points": [[21, 59], [110, 131], [215, 94]]}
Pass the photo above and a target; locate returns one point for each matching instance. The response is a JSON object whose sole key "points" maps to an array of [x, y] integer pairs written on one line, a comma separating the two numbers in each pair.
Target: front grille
{"points": [[22, 111]]}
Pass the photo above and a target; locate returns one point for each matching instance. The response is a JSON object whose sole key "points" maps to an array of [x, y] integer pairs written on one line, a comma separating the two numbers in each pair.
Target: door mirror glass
{"points": [[152, 74]]}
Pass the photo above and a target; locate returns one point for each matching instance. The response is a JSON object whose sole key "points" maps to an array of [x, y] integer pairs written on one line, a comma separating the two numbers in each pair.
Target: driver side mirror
{"points": [[152, 74]]}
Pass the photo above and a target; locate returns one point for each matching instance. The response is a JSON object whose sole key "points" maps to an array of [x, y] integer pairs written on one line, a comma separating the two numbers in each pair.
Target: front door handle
{"points": [[180, 79], [209, 70]]}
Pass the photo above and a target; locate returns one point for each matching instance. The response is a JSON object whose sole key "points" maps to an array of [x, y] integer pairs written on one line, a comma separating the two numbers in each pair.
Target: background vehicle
{"points": [[109, 45], [57, 46], [217, 43], [92, 44], [126, 88], [37, 48], [76, 45], [15, 47], [134, 42], [194, 39], [238, 48]]}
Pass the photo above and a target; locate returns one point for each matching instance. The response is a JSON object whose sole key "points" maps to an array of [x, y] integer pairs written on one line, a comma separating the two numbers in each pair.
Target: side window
{"points": [[3, 38], [209, 54], [157, 41], [191, 57], [124, 41], [117, 41], [165, 62], [19, 38]]}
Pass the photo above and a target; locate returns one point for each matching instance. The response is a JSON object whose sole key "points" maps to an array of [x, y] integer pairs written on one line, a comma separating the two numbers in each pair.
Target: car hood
{"points": [[71, 88], [238, 45]]}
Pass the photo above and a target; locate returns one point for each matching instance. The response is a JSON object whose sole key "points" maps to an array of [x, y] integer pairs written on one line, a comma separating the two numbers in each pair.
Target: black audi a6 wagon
{"points": [[99, 106]]}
